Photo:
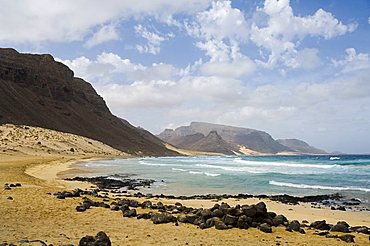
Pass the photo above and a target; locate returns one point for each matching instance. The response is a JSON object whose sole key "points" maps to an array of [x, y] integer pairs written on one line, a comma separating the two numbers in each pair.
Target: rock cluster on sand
{"points": [[101, 239], [221, 216]]}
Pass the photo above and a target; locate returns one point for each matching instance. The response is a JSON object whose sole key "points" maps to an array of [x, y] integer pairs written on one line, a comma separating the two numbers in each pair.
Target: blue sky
{"points": [[296, 69]]}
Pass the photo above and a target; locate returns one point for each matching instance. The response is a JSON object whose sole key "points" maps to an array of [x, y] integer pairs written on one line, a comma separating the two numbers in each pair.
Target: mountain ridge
{"points": [[238, 140], [38, 91]]}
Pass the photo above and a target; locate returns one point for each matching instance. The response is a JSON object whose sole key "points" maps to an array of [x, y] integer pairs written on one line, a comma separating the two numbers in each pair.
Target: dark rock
{"points": [[279, 220], [210, 222], [294, 225], [322, 233], [101, 239], [182, 219], [341, 226], [114, 208], [204, 226], [249, 211], [301, 230], [217, 213], [320, 225], [191, 218], [134, 203], [271, 214], [361, 229], [265, 228], [230, 220], [124, 208], [348, 238], [146, 204], [129, 213], [261, 208], [144, 216], [162, 218], [80, 208], [198, 221], [243, 222], [219, 224], [206, 214]]}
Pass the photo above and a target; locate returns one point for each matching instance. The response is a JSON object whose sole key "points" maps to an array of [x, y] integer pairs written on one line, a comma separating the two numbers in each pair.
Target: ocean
{"points": [[256, 175]]}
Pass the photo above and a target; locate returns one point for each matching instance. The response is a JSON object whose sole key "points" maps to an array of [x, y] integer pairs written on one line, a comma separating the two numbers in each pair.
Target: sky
{"points": [[295, 69]]}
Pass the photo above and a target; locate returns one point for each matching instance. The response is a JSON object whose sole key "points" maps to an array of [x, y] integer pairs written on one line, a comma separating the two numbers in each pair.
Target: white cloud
{"points": [[38, 21], [280, 34], [221, 21], [368, 20], [353, 61], [154, 40], [234, 69], [104, 34]]}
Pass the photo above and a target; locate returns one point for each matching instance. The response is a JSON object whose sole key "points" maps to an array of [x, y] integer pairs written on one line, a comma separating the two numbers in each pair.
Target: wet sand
{"points": [[33, 213]]}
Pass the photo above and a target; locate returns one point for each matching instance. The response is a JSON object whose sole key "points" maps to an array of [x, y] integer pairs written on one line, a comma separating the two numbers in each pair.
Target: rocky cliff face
{"points": [[252, 139], [36, 90], [301, 146]]}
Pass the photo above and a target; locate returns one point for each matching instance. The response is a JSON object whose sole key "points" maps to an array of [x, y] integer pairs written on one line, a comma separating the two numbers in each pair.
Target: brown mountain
{"points": [[301, 146], [235, 137], [212, 143], [36, 90]]}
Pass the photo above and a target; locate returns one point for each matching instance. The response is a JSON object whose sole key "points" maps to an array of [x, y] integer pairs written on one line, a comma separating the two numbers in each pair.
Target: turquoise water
{"points": [[293, 175]]}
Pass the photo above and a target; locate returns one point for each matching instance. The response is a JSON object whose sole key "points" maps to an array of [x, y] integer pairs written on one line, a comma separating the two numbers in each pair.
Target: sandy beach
{"points": [[31, 212]]}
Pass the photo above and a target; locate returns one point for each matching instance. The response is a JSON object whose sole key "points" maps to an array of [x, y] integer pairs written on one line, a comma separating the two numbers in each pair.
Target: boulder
{"points": [[101, 239], [219, 224], [162, 218], [341, 226], [206, 214], [320, 225], [294, 225], [249, 211], [129, 213], [230, 220], [279, 220], [261, 208], [348, 238], [80, 208], [361, 229], [243, 222], [217, 213], [265, 228], [144, 216]]}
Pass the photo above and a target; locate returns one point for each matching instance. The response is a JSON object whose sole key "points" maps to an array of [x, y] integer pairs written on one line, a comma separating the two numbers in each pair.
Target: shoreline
{"points": [[301, 211], [51, 218]]}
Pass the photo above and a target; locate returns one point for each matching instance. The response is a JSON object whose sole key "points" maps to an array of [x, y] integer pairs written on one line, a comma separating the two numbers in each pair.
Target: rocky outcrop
{"points": [[252, 139], [36, 90], [301, 146], [236, 139], [212, 143]]}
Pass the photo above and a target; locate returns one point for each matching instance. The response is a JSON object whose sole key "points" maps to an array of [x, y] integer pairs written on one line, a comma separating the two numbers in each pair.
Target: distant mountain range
{"points": [[36, 90], [229, 140]]}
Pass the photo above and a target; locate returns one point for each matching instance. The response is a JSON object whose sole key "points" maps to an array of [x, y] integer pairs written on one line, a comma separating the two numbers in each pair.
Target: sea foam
{"points": [[316, 187]]}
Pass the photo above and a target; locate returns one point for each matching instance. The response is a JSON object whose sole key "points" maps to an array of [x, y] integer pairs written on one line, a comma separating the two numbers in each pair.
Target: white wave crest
{"points": [[212, 174], [282, 164], [195, 172], [316, 187], [178, 169], [153, 164]]}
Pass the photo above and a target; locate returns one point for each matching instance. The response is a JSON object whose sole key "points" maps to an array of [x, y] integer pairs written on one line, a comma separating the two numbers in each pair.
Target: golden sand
{"points": [[35, 214]]}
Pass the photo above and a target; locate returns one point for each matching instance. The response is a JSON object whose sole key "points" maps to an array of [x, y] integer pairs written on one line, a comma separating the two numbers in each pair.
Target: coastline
{"points": [[18, 215], [301, 211]]}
